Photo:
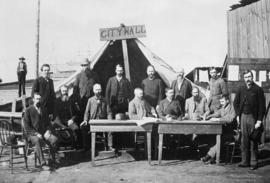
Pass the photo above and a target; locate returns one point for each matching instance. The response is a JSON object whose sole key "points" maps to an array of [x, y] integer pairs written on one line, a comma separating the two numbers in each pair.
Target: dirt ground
{"points": [[131, 166]]}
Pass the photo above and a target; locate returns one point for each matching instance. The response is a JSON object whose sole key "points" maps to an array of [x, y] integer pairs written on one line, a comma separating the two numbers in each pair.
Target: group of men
{"points": [[152, 99]]}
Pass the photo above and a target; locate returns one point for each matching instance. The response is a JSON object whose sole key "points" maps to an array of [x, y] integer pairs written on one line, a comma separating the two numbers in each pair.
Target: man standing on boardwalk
{"points": [[249, 104], [21, 73]]}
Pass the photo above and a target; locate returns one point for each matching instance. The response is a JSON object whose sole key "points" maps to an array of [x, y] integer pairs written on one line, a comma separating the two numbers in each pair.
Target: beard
{"points": [[64, 98]]}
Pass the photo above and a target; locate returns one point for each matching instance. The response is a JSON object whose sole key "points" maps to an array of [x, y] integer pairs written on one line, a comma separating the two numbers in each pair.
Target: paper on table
{"points": [[145, 120]]}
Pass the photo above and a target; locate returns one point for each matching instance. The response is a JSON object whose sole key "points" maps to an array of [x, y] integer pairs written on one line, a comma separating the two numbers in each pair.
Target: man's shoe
{"points": [[253, 167], [243, 165], [205, 158], [212, 161]]}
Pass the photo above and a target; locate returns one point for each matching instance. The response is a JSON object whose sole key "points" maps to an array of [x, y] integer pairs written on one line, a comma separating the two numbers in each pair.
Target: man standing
{"points": [[45, 87], [196, 106], [218, 87], [21, 73], [138, 108], [118, 95], [169, 108], [182, 88], [83, 86], [96, 109], [38, 127], [249, 104], [226, 114], [153, 87]]}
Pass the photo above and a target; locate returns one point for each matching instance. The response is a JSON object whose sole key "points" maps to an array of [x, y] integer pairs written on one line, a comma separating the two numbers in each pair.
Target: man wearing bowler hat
{"points": [[21, 73]]}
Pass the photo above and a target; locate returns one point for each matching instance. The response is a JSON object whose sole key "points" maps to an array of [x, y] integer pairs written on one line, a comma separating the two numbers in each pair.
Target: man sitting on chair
{"points": [[65, 115], [170, 108], [138, 108], [38, 127], [227, 114]]}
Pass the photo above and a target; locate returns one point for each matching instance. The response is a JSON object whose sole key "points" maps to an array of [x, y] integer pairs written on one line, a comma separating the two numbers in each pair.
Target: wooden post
{"points": [[126, 61], [37, 43], [24, 102], [13, 107]]}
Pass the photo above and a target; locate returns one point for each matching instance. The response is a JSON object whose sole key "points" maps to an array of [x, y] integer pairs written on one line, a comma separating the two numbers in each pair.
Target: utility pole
{"points": [[37, 43]]}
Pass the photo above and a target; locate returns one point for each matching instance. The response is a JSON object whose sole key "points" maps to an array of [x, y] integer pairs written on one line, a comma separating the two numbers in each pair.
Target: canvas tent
{"points": [[139, 57]]}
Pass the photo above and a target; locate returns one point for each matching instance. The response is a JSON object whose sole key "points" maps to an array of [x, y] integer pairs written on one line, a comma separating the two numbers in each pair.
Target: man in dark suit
{"points": [[182, 88], [44, 86], [21, 73], [38, 127], [249, 104], [118, 94]]}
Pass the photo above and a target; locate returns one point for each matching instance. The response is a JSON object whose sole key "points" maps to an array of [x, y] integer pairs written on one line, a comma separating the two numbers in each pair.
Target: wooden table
{"points": [[119, 126], [189, 127]]}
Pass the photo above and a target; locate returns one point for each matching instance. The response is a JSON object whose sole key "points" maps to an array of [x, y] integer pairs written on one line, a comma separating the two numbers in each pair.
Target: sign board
{"points": [[123, 32]]}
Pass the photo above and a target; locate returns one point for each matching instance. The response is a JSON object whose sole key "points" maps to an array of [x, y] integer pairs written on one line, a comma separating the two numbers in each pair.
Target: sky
{"points": [[184, 33]]}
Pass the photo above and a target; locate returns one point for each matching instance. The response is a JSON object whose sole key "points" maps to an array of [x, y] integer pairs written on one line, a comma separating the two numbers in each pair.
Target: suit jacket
{"points": [[35, 121], [185, 90], [24, 67], [200, 109], [95, 109], [254, 96], [46, 91], [112, 88], [172, 108], [137, 109]]}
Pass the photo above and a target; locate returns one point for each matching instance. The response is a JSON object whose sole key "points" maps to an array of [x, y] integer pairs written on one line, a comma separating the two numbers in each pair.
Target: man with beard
{"points": [[45, 87], [182, 88], [226, 114], [83, 87], [38, 128], [21, 73], [249, 104], [153, 87], [196, 106], [96, 109], [218, 87], [65, 115], [118, 94]]}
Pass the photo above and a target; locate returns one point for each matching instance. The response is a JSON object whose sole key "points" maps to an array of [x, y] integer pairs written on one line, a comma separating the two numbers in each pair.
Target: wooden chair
{"points": [[8, 140], [234, 147]]}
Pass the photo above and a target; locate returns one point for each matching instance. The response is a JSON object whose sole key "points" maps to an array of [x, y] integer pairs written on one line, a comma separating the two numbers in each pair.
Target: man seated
{"points": [[96, 108], [65, 116], [195, 106], [38, 128], [227, 114], [169, 108], [138, 108]]}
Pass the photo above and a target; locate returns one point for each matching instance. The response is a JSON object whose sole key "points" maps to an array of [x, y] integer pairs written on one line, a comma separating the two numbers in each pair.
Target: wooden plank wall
{"points": [[249, 31]]}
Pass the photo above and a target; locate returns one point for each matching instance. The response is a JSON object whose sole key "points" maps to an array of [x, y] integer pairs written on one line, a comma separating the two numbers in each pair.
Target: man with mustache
{"points": [[38, 128], [218, 87], [65, 115], [182, 88], [118, 94], [153, 87], [249, 104], [195, 106]]}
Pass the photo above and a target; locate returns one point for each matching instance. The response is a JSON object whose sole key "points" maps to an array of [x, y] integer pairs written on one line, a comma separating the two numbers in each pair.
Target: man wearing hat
{"points": [[21, 73], [83, 86], [182, 88]]}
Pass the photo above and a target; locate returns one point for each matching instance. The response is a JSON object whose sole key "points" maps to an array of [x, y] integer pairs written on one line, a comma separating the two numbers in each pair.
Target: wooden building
{"points": [[249, 47]]}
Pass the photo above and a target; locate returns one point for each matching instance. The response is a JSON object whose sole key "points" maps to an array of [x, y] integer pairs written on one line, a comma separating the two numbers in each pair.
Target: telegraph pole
{"points": [[37, 43]]}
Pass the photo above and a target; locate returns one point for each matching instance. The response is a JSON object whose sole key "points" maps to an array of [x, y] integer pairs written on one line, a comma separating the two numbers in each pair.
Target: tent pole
{"points": [[126, 61], [37, 41]]}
